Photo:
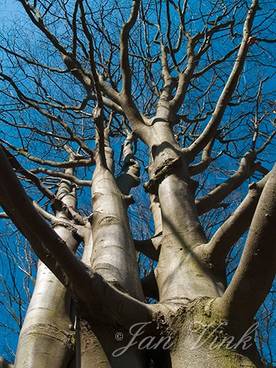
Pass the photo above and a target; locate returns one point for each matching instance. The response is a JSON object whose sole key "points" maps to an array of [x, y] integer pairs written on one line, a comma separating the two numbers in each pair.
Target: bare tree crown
{"points": [[171, 98]]}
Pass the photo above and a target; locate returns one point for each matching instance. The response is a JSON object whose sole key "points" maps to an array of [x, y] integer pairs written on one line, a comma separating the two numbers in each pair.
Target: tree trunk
{"points": [[203, 339], [47, 338]]}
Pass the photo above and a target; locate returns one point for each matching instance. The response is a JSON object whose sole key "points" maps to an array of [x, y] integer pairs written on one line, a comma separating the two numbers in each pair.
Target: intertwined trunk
{"points": [[109, 251], [187, 280]]}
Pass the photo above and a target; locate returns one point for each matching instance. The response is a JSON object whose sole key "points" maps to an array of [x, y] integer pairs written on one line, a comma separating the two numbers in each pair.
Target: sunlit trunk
{"points": [[47, 337], [205, 340]]}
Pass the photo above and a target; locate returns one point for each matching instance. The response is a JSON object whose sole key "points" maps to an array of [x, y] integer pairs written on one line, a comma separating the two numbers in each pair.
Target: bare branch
{"points": [[211, 128], [233, 228], [52, 250], [78, 161], [60, 174], [213, 198], [125, 67], [255, 273], [206, 159]]}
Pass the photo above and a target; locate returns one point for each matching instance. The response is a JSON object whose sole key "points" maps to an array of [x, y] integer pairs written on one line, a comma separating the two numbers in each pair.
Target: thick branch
{"points": [[206, 159], [50, 248], [225, 97], [185, 77], [233, 228], [57, 203], [125, 67], [213, 198], [163, 106], [22, 212], [255, 273]]}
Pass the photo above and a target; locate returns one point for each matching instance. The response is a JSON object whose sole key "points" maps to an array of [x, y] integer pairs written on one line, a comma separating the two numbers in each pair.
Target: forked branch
{"points": [[256, 270], [235, 226], [229, 88], [51, 249]]}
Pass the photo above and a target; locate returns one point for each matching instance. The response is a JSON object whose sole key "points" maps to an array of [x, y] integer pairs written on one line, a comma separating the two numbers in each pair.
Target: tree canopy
{"points": [[137, 143]]}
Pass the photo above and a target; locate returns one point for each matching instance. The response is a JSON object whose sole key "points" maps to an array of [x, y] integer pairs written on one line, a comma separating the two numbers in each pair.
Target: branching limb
{"points": [[22, 212], [57, 203], [124, 54], [163, 106], [185, 76], [256, 270], [233, 228], [193, 57], [37, 20], [63, 175], [206, 159], [75, 162], [213, 198], [93, 291], [73, 65], [225, 97]]}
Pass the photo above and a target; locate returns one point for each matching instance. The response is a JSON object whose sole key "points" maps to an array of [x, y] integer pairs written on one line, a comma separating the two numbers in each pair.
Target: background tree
{"points": [[90, 96]]}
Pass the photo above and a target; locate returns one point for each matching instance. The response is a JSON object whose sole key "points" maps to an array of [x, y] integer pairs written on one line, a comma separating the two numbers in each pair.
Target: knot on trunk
{"points": [[160, 172]]}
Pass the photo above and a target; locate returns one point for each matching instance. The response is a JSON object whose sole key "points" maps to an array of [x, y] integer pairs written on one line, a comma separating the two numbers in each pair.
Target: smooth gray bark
{"points": [[46, 338]]}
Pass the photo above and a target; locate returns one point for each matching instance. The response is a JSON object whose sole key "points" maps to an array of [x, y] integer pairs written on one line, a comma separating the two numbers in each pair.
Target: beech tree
{"points": [[111, 109]]}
